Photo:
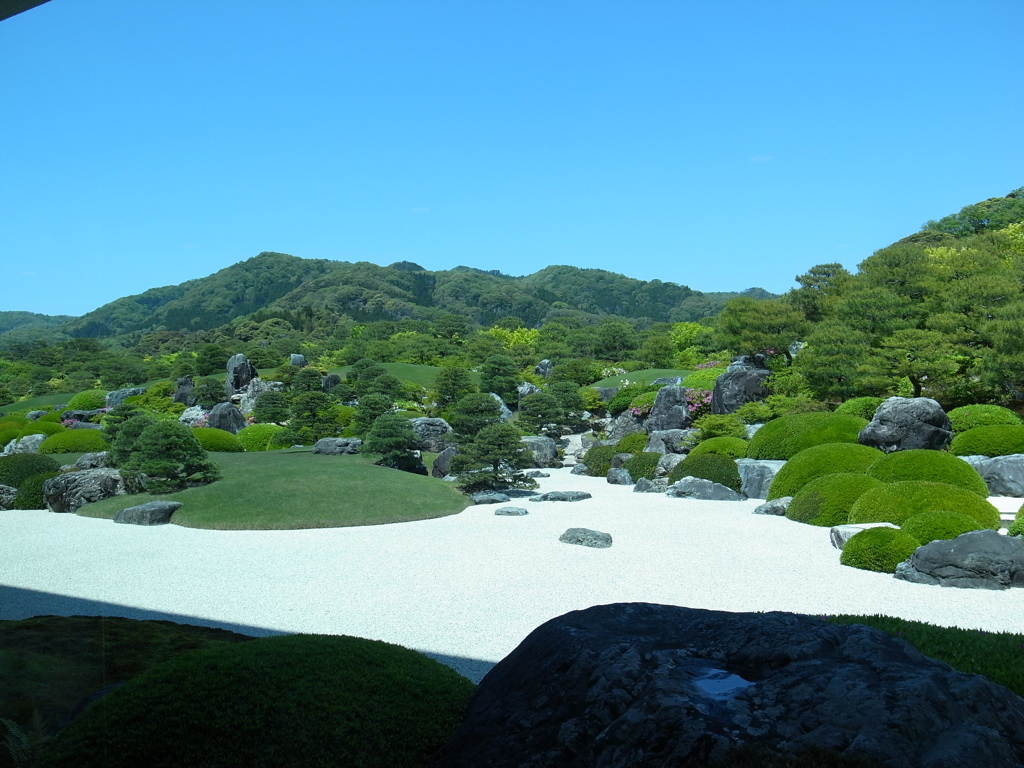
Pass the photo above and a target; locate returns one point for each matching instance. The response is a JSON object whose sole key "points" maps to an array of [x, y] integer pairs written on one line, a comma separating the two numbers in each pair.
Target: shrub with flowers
{"points": [[699, 402], [642, 404]]}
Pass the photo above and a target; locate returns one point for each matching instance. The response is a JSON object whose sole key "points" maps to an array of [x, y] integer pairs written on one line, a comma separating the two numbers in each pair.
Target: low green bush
{"points": [[257, 437], [939, 524], [755, 412], [218, 440], [786, 436], [14, 421], [818, 461], [827, 500], [878, 549], [719, 425], [53, 417], [42, 428], [599, 459], [896, 502], [999, 440], [18, 467], [1017, 526], [626, 395], [864, 407], [703, 378], [641, 404], [733, 447], [89, 400], [710, 466], [642, 465], [634, 443], [30, 492], [74, 441], [922, 464], [6, 435], [970, 416]]}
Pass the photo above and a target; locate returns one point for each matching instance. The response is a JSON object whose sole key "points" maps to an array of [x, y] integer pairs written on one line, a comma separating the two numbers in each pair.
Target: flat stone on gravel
{"points": [[152, 513], [511, 511], [775, 507], [585, 537], [562, 496], [489, 497]]}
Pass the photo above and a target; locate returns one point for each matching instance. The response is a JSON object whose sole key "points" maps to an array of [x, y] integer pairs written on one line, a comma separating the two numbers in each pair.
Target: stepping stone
{"points": [[585, 537], [562, 496], [511, 511]]}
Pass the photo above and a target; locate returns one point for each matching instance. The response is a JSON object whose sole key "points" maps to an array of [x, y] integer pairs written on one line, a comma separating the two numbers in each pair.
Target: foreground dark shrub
{"points": [[827, 501], [30, 492], [921, 464], [896, 502], [18, 467], [710, 466], [785, 437], [642, 465], [1000, 440], [598, 459], [878, 549], [819, 461]]}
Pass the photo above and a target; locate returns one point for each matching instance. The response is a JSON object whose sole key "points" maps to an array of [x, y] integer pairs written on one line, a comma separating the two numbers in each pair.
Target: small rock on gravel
{"points": [[511, 511], [585, 537], [562, 496]]}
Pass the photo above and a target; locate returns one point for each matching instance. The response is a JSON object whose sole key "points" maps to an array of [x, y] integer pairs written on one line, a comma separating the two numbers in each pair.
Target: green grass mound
{"points": [[6, 435], [897, 502], [864, 407], [939, 524], [291, 701], [89, 400], [827, 500], [818, 461], [19, 467], [30, 492], [598, 459], [732, 447], [970, 416], [642, 465], [710, 466], [878, 549], [921, 464], [218, 440], [1017, 526], [74, 441], [999, 440], [258, 437], [786, 436], [42, 428], [14, 421], [634, 443]]}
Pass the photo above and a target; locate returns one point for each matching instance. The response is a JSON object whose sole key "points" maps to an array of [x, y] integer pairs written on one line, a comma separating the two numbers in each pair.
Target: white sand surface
{"points": [[465, 588]]}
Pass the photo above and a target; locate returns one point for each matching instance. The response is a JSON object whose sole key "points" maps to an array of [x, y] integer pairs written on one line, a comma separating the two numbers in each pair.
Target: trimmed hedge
{"points": [[999, 440], [818, 461], [642, 465], [1017, 526], [19, 467], [710, 466], [970, 416], [74, 441], [922, 464], [634, 443], [733, 447], [878, 549], [89, 400], [30, 492], [219, 440], [896, 502], [827, 500], [864, 407], [786, 436], [257, 437], [599, 459], [939, 524]]}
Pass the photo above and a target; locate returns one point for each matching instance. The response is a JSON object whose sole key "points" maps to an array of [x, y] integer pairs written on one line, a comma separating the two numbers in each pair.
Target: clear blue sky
{"points": [[721, 145]]}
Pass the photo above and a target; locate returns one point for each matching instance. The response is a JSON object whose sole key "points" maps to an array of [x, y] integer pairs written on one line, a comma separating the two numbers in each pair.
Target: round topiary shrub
{"points": [[89, 400], [257, 437], [732, 447], [1017, 526], [970, 416], [827, 500], [710, 466], [642, 465], [6, 435], [786, 436], [599, 459], [922, 464], [720, 425], [41, 428], [864, 407], [18, 467], [218, 440], [896, 502], [30, 492], [939, 524], [14, 421], [818, 461], [74, 441], [878, 549], [634, 443], [290, 701], [1000, 440]]}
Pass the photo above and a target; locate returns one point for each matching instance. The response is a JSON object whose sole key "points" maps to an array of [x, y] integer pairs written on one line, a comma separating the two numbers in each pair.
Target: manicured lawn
{"points": [[645, 376], [423, 375], [294, 488]]}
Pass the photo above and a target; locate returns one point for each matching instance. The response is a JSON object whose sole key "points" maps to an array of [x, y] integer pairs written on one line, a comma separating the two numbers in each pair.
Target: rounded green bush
{"points": [[970, 416], [599, 459], [710, 466], [878, 549], [864, 407], [999, 440], [1017, 526], [827, 500], [896, 502], [626, 395], [54, 417], [939, 524], [42, 428], [218, 440], [74, 441], [703, 378], [733, 447], [786, 436], [818, 461], [634, 443], [720, 425], [290, 701], [14, 421], [642, 465], [30, 492], [922, 464], [257, 437], [6, 435], [89, 400], [18, 467]]}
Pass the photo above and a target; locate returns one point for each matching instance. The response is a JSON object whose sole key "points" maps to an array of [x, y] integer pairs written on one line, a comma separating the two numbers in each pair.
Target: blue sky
{"points": [[721, 145]]}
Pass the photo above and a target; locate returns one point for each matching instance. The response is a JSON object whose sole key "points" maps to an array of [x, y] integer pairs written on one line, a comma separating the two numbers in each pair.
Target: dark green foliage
{"points": [[369, 409], [725, 425], [731, 447], [710, 466], [30, 492], [473, 412], [540, 414], [451, 384], [1000, 440], [579, 371], [219, 440], [211, 359], [878, 549], [123, 426], [786, 436], [208, 392], [500, 375], [313, 417], [642, 465], [626, 395], [896, 502], [298, 700], [1017, 526], [970, 416], [307, 379], [494, 458], [272, 408], [827, 500], [6, 396], [939, 524], [864, 407], [342, 392], [18, 467], [6, 435], [385, 384], [818, 461], [362, 373], [74, 441], [988, 215], [257, 437], [634, 443], [89, 400], [598, 459], [755, 412], [923, 464], [569, 399], [393, 438], [169, 454]]}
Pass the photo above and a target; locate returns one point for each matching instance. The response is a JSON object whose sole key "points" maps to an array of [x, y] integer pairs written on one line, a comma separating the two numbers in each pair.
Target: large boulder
{"points": [[443, 462], [703, 490], [669, 410], [183, 394], [431, 433], [151, 513], [544, 368], [338, 446], [118, 396], [561, 496], [240, 373], [7, 494], [667, 463], [756, 476], [192, 415], [526, 389], [625, 424], [92, 461], [298, 360], [227, 417], [777, 507], [973, 560], [742, 382], [636, 684], [80, 415], [505, 414], [26, 444], [607, 393], [1004, 475], [669, 440], [252, 392], [619, 476], [905, 423], [658, 485], [73, 490], [544, 451], [35, 415], [329, 382]]}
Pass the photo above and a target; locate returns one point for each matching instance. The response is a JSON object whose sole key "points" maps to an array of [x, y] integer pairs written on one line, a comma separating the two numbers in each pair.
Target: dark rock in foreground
{"points": [[905, 423], [152, 513], [338, 446], [974, 560], [510, 512], [489, 497], [702, 490], [71, 491], [742, 382], [585, 537], [227, 417]]}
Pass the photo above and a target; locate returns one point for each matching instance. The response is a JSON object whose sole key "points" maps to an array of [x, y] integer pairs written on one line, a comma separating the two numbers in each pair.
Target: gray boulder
{"points": [[71, 491], [92, 461], [669, 440], [669, 410], [183, 394], [536, 474], [7, 494], [505, 413], [777, 506], [337, 446], [118, 396], [489, 497], [510, 512], [585, 537], [329, 382], [252, 392], [756, 476], [526, 389], [742, 382], [152, 513], [607, 393], [443, 462], [579, 468], [544, 451], [905, 423], [240, 373], [227, 417], [34, 415], [619, 459], [973, 560], [299, 361], [667, 463], [625, 424], [1004, 475], [80, 415], [658, 485], [562, 496], [544, 368], [636, 684], [431, 433], [192, 415], [619, 476], [26, 444], [704, 490], [668, 381]]}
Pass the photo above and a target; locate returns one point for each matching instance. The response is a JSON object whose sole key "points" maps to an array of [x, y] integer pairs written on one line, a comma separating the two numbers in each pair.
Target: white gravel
{"points": [[465, 588]]}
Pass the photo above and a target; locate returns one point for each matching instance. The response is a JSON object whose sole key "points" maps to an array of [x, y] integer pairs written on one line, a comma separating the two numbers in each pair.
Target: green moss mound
{"points": [[634, 443], [1017, 526], [970, 416], [818, 461], [74, 441], [864, 407], [14, 421], [897, 502], [878, 549], [6, 435], [42, 428], [921, 464], [827, 500], [30, 492], [786, 436], [89, 400], [257, 437], [19, 467], [1000, 440], [732, 447], [939, 524], [599, 459], [219, 440], [642, 465], [291, 701], [710, 466]]}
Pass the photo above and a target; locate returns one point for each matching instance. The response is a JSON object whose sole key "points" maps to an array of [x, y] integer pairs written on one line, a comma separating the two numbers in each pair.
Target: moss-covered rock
{"points": [[785, 437], [896, 502], [999, 440], [827, 500], [710, 466], [74, 441], [642, 465], [878, 549], [922, 464], [864, 407], [818, 461], [219, 440], [970, 416], [939, 524], [733, 447]]}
